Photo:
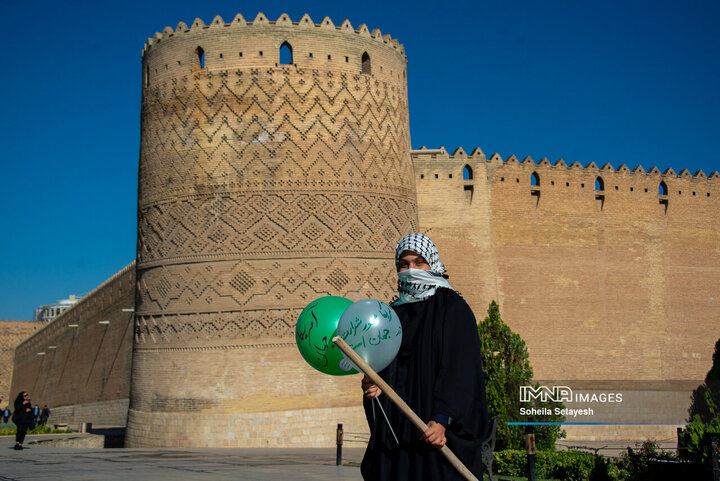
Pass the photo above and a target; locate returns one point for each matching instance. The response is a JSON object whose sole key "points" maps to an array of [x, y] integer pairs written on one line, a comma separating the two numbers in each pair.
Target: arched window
{"points": [[535, 179], [366, 63], [201, 56], [286, 54], [662, 188], [599, 184], [467, 173]]}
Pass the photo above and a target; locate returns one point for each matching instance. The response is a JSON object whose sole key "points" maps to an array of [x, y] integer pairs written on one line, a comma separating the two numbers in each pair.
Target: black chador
{"points": [[438, 373]]}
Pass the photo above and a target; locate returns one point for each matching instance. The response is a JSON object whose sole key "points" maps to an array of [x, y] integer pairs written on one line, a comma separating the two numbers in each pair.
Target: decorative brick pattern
{"points": [[262, 186], [12, 333]]}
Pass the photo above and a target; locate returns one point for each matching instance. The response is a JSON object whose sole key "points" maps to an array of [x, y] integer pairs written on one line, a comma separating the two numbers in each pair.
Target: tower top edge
{"points": [[306, 23]]}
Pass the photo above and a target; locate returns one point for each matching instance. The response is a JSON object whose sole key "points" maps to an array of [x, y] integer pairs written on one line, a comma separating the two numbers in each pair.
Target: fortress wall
{"points": [[455, 213], [12, 333], [608, 284], [602, 285], [262, 186], [84, 373]]}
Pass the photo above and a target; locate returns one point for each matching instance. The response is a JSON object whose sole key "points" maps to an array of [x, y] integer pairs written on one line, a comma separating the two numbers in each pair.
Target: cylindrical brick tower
{"points": [[274, 169]]}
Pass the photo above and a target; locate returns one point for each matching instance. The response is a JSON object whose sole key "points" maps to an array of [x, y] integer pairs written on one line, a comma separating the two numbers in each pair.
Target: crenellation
{"points": [[477, 152], [459, 152]]}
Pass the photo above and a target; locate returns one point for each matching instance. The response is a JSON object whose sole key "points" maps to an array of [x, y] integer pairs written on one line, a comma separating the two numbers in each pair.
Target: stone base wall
{"points": [[85, 441], [304, 428], [107, 413], [621, 433]]}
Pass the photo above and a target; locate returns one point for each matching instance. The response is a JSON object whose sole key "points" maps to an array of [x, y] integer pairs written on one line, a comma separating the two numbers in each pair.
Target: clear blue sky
{"points": [[634, 82]]}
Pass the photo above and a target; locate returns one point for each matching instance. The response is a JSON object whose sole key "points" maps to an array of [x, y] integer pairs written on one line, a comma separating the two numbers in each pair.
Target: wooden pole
{"points": [[388, 391]]}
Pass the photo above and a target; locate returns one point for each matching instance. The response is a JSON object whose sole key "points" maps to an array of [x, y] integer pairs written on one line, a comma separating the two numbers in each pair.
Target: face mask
{"points": [[417, 285]]}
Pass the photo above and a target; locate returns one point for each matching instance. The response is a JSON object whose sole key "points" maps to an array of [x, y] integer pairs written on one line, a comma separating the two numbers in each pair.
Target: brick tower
{"points": [[274, 169]]}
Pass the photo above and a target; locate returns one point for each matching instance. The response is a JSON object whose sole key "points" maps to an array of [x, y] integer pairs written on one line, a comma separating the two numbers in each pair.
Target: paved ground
{"points": [[45, 463]]}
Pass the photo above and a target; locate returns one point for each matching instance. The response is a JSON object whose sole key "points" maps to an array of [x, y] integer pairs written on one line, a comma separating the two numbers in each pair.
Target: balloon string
{"points": [[387, 420]]}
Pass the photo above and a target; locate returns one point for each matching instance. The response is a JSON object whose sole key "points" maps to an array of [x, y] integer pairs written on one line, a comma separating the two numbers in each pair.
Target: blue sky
{"points": [[634, 82]]}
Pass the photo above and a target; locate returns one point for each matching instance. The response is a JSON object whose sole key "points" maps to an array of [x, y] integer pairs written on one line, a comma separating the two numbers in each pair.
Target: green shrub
{"points": [[510, 462], [691, 440], [38, 429], [637, 465], [565, 465]]}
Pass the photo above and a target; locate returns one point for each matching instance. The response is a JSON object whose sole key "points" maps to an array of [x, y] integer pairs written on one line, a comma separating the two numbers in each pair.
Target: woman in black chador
{"points": [[22, 417], [437, 372]]}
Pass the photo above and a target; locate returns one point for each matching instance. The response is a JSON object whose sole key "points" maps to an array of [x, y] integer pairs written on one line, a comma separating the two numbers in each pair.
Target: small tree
{"points": [[703, 415], [506, 366], [706, 398]]}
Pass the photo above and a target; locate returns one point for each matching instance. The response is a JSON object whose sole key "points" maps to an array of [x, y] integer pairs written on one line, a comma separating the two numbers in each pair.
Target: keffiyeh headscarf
{"points": [[417, 284]]}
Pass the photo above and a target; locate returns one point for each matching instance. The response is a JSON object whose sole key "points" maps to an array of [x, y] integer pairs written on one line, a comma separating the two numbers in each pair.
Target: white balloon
{"points": [[373, 330]]}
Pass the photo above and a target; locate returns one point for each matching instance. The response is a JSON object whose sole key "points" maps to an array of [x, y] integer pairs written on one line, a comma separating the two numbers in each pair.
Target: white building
{"points": [[48, 312]]}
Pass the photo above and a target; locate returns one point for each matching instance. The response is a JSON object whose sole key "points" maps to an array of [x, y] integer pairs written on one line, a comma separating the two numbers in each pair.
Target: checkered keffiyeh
{"points": [[420, 244], [416, 285]]}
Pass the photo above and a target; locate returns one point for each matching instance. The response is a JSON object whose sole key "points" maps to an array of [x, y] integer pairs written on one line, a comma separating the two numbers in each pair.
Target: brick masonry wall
{"points": [[276, 429], [79, 364], [12, 333], [603, 285], [101, 414], [262, 186]]}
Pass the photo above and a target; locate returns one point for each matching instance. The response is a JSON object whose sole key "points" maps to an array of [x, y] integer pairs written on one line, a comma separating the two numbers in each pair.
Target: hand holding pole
{"points": [[402, 405]]}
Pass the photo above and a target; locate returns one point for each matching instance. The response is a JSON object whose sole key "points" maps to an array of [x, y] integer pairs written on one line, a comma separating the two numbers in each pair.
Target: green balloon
{"points": [[315, 328]]}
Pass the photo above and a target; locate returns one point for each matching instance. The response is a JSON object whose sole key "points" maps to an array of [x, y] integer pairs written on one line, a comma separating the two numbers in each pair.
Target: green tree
{"points": [[704, 414], [506, 366], [706, 398]]}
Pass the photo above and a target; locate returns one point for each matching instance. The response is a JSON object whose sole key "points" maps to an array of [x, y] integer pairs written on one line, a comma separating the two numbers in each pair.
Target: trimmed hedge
{"points": [[10, 430], [565, 465]]}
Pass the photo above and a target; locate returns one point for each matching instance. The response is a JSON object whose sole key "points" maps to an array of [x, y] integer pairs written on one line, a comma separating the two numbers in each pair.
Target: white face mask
{"points": [[417, 285]]}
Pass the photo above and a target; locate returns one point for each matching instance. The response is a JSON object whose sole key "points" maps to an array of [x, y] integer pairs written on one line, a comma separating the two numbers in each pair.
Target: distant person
{"points": [[44, 415], [36, 414], [6, 414], [22, 417]]}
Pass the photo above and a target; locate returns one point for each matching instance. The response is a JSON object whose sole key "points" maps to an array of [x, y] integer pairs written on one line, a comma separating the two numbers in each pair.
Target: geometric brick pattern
{"points": [[220, 292], [262, 187], [258, 224]]}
